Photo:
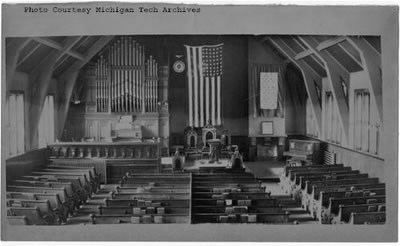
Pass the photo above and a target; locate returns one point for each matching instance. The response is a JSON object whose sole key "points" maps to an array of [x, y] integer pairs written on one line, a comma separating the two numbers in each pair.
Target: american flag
{"points": [[204, 72]]}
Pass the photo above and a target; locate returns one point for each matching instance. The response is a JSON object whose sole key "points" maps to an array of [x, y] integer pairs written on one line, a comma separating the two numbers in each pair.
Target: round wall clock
{"points": [[179, 66]]}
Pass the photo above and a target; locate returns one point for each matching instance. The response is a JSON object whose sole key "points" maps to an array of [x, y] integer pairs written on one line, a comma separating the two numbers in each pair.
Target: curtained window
{"points": [[362, 132], [46, 123], [16, 123], [311, 124], [333, 131]]}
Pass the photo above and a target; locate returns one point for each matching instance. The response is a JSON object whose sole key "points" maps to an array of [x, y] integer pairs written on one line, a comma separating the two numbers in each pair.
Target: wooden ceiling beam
{"points": [[302, 61], [342, 67], [308, 76], [303, 54], [55, 45], [350, 54], [371, 62], [330, 42], [68, 45], [335, 72], [29, 54], [95, 48]]}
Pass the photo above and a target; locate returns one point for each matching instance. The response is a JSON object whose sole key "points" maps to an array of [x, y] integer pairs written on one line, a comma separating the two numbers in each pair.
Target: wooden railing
{"points": [[118, 150]]}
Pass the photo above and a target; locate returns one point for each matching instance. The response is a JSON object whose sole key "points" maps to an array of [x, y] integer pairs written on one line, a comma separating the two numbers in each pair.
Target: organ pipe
{"points": [[126, 79]]}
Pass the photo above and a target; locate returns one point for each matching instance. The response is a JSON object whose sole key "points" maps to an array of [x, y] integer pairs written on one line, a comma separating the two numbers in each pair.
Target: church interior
{"points": [[193, 129]]}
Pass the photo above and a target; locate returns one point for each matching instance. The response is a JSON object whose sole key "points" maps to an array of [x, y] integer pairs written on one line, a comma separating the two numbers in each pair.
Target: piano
{"points": [[303, 152]]}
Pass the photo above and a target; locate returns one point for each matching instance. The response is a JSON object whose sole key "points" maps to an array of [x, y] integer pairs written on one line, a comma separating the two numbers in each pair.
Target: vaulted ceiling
{"points": [[317, 57]]}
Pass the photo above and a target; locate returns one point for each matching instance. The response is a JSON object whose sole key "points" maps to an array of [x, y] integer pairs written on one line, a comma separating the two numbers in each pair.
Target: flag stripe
{"points": [[218, 100], [201, 89], [213, 100], [196, 119], [189, 73], [207, 99]]}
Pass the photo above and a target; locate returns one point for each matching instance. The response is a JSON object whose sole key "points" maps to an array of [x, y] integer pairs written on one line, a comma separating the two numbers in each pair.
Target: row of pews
{"points": [[147, 199], [235, 197], [50, 195], [335, 194]]}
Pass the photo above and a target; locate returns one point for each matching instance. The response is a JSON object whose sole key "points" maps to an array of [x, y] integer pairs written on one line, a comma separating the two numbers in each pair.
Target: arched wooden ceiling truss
{"points": [[334, 58], [45, 58], [317, 57]]}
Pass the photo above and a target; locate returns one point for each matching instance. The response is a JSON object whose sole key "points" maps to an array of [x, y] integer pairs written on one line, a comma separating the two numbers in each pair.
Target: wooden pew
{"points": [[346, 210], [37, 190], [325, 196], [233, 183], [93, 170], [223, 202], [120, 210], [50, 214], [82, 194], [85, 183], [155, 185], [243, 189], [33, 215], [50, 184], [150, 195], [181, 203], [229, 174], [231, 195], [367, 218], [92, 179], [151, 189], [288, 181], [299, 189], [289, 175], [310, 184], [333, 209], [227, 185], [292, 174], [17, 220], [298, 177], [177, 182], [287, 169], [251, 209], [270, 218], [309, 199], [64, 208], [145, 219]]}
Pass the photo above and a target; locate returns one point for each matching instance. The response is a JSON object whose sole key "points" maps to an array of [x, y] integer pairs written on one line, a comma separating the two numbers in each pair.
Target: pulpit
{"points": [[215, 150], [209, 132]]}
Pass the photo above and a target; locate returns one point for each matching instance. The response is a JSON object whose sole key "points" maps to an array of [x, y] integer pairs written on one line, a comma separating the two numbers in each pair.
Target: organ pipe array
{"points": [[102, 85], [126, 81]]}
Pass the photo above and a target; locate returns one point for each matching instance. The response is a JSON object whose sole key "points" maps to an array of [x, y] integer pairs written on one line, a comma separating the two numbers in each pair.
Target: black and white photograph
{"points": [[188, 122]]}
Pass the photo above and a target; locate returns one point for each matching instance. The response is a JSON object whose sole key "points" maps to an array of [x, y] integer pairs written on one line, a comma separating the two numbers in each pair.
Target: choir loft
{"points": [[161, 129]]}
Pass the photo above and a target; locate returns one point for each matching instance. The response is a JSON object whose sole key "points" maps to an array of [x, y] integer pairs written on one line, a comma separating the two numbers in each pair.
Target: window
{"points": [[46, 123], [16, 121], [362, 133], [311, 124], [333, 131]]}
